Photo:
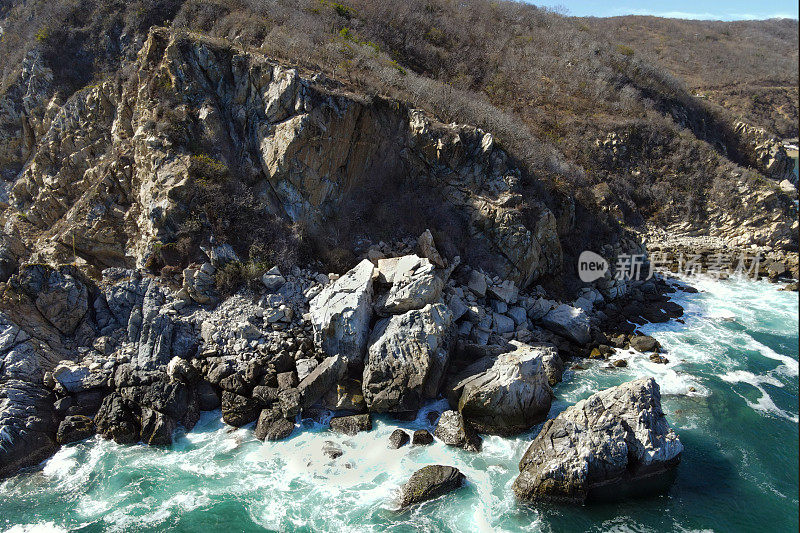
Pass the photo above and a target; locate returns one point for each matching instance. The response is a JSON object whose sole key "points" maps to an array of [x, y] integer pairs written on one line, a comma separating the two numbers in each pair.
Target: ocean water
{"points": [[730, 389]]}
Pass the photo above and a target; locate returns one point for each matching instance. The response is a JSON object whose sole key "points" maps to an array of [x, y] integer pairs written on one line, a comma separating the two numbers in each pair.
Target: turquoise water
{"points": [[738, 350]]}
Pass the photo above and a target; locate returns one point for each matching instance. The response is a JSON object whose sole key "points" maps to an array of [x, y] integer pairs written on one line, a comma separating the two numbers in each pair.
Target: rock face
{"points": [[341, 313], [613, 444], [506, 394], [407, 358], [430, 482], [568, 322]]}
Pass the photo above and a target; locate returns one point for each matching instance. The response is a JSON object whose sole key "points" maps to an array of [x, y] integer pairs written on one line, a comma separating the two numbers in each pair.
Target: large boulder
{"points": [[74, 428], [504, 395], [118, 419], [239, 410], [415, 283], [430, 482], [569, 322], [322, 379], [407, 358], [453, 430], [613, 444], [341, 312]]}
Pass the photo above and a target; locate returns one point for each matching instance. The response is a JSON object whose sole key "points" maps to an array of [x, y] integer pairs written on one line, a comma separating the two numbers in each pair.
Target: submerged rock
{"points": [[614, 444], [430, 482]]}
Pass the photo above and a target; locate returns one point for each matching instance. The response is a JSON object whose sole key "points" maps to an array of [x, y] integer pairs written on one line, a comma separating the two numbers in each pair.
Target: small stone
{"points": [[422, 437], [398, 439]]}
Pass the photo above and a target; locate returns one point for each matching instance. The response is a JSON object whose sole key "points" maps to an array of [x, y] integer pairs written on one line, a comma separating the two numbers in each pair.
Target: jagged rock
{"points": [[568, 322], [272, 426], [407, 358], [28, 426], [289, 401], [613, 444], [199, 283], [118, 419], [221, 255], [74, 428], [398, 439], [288, 380], [345, 396], [181, 370], [506, 394], [322, 379], [644, 343], [305, 366], [658, 359], [506, 291], [239, 410], [430, 482], [477, 283], [422, 437], [58, 295], [272, 279], [71, 377], [351, 425], [341, 314], [453, 430], [157, 428], [235, 383], [427, 248], [415, 283], [502, 324], [266, 395], [551, 362], [172, 399]]}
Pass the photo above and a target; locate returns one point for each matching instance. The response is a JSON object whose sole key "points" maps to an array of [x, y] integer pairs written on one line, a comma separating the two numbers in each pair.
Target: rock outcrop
{"points": [[407, 358], [504, 394], [614, 444], [341, 314]]}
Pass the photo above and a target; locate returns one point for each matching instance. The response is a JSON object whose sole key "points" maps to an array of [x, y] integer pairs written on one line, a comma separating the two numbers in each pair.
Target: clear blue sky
{"points": [[688, 9]]}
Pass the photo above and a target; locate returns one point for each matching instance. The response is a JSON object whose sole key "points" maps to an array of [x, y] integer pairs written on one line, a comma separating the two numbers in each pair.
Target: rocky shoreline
{"points": [[133, 357]]}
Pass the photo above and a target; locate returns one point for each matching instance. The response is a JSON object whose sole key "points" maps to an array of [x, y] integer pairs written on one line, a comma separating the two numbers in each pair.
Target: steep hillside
{"points": [[592, 139], [748, 67]]}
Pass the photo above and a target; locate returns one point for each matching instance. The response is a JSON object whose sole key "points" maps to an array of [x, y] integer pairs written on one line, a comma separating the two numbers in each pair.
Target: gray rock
{"points": [[506, 394], [289, 402], [518, 315], [407, 358], [506, 291], [568, 322], [453, 430], [28, 426], [415, 284], [181, 370], [272, 426], [58, 295], [75, 428], [351, 425], [118, 419], [430, 482], [321, 380], [477, 283], [199, 285], [207, 397], [502, 324], [157, 428], [273, 280], [341, 313], [613, 444], [428, 249]]}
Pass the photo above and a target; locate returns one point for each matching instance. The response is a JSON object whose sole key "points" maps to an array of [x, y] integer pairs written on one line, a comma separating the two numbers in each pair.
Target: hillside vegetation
{"points": [[594, 109], [748, 67]]}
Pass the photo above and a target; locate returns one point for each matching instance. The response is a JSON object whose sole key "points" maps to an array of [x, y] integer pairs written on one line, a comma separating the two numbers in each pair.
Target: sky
{"points": [[686, 9]]}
